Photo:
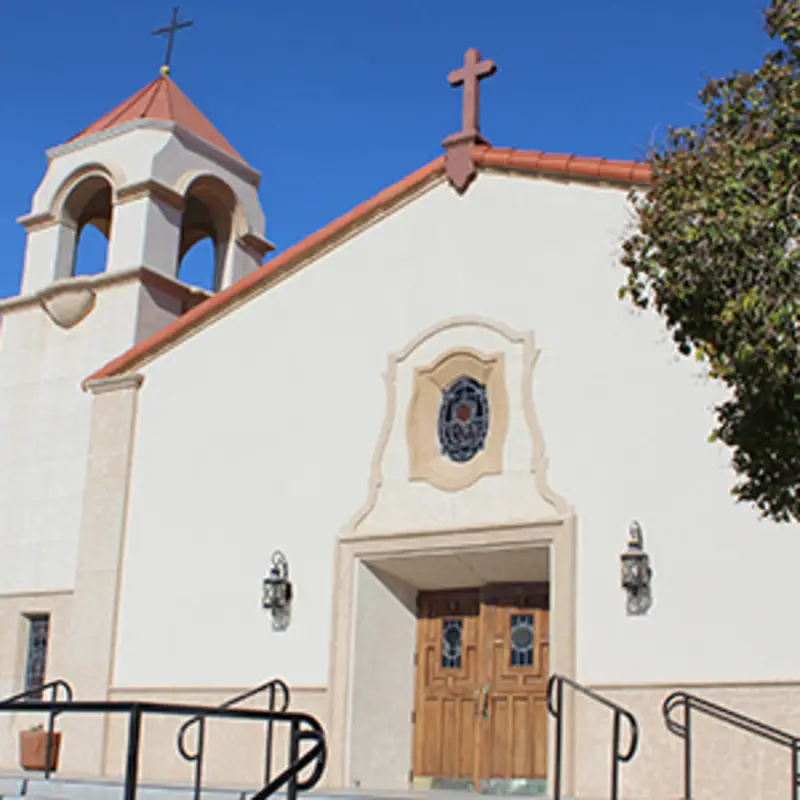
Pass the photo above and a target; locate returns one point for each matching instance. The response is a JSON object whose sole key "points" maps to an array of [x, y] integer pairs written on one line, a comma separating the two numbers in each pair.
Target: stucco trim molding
{"points": [[152, 189], [68, 302], [34, 594], [141, 691], [426, 461], [693, 685], [509, 526], [118, 382], [539, 462], [37, 221], [189, 295], [255, 245]]}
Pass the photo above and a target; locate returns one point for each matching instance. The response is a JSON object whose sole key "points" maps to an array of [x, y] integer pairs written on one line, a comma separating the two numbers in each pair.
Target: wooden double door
{"points": [[481, 686]]}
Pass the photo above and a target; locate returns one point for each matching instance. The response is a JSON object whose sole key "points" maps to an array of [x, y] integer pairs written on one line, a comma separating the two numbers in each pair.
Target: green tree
{"points": [[716, 252]]}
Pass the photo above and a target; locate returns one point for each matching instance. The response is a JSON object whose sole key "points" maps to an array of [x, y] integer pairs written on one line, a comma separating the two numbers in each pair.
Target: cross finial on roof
{"points": [[460, 167], [169, 32], [469, 76]]}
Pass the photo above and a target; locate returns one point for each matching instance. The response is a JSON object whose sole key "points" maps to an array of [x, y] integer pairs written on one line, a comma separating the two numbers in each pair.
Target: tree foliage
{"points": [[717, 253]]}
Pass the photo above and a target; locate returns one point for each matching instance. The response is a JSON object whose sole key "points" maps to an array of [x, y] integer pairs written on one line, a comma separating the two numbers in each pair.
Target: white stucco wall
{"points": [[258, 433], [44, 433]]}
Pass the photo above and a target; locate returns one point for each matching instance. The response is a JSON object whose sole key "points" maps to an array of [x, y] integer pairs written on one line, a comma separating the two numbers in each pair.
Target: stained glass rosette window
{"points": [[452, 631], [522, 639], [463, 420]]}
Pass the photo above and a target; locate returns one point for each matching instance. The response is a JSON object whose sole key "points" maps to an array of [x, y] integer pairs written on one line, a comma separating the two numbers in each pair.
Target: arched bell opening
{"points": [[87, 210], [205, 233]]}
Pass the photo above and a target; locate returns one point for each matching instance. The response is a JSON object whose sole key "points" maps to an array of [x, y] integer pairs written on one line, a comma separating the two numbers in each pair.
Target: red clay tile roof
{"points": [[624, 173], [162, 100], [535, 161]]}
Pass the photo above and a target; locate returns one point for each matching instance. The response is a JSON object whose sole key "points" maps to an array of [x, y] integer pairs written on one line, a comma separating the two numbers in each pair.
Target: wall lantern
{"points": [[636, 573], [277, 591]]}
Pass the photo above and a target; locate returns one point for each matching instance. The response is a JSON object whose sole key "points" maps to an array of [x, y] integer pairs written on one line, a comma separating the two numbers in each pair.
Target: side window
{"points": [[36, 663]]}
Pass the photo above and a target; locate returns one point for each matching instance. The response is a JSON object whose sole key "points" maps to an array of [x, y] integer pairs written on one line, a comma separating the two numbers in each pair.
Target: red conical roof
{"points": [[162, 100]]}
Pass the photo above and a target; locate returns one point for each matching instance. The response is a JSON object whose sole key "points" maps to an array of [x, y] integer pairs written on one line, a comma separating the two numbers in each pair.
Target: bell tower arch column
{"points": [[147, 227]]}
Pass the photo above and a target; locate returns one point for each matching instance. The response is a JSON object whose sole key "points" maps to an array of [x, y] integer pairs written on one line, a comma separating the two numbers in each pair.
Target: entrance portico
{"points": [[374, 665]]}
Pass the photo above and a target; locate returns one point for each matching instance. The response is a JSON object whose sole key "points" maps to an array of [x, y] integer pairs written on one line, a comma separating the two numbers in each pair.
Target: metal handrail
{"points": [[555, 705], [683, 730], [302, 728], [36, 694], [271, 688]]}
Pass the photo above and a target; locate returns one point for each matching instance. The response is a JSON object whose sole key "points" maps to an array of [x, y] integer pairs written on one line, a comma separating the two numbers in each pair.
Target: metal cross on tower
{"points": [[169, 32]]}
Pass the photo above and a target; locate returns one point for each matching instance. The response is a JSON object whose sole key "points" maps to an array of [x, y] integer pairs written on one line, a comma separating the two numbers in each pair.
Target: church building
{"points": [[433, 421]]}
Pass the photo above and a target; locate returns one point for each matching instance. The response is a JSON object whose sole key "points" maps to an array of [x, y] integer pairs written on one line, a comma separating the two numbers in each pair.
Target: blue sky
{"points": [[334, 101]]}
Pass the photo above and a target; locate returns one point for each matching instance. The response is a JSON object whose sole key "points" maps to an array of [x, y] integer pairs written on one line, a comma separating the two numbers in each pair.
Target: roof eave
{"points": [[191, 140]]}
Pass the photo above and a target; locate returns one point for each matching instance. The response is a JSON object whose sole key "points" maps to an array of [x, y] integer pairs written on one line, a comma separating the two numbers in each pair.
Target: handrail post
{"points": [[294, 755], [795, 767], [271, 691], [200, 751], [132, 763], [51, 718], [559, 707], [687, 749], [615, 758]]}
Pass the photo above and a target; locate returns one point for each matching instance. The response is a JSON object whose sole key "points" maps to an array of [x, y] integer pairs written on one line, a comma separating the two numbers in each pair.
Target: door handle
{"points": [[477, 702], [486, 691]]}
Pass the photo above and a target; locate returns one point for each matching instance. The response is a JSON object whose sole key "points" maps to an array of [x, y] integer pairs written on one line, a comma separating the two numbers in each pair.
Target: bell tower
{"points": [[154, 177]]}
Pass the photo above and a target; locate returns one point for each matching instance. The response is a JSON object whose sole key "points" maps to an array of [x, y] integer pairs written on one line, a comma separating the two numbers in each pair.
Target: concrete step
{"points": [[417, 794], [33, 786], [11, 785]]}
